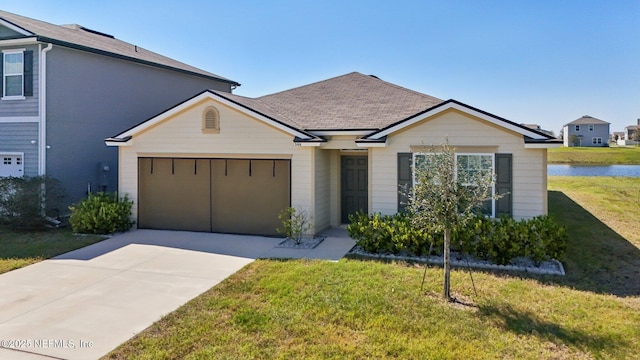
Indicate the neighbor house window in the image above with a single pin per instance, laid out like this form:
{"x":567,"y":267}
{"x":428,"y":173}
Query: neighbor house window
{"x":211,"y":120}
{"x":577,"y":127}
{"x":468,"y":167}
{"x":590,"y":127}
{"x":596,"y":140}
{"x":13,"y":74}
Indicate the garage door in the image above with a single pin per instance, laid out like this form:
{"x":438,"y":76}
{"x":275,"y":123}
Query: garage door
{"x":241,"y":196}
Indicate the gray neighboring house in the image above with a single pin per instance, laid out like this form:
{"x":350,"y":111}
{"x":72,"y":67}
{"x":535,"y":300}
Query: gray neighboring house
{"x":66,"y":87}
{"x":629,"y":135}
{"x":586,"y":131}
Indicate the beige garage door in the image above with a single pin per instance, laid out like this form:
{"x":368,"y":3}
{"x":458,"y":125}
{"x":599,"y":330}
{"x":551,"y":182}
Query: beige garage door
{"x":241,"y":196}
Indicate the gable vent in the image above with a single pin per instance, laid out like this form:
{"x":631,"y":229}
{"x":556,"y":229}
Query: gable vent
{"x":211,"y":119}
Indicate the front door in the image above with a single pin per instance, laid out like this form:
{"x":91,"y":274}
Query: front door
{"x":354,"y":185}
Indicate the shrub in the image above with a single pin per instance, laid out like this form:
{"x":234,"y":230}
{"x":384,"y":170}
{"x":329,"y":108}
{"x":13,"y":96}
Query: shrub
{"x":26,"y":202}
{"x":388,"y":234}
{"x":295,"y":223}
{"x":101,"y":213}
{"x":498,"y":240}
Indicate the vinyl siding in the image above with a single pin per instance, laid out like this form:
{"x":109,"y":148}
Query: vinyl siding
{"x":322,"y":178}
{"x":99,"y":96}
{"x":529,"y":165}
{"x":240,"y":136}
{"x":16,"y":137}
{"x":28,"y":106}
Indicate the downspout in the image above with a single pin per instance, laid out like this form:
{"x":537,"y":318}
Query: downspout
{"x":42,"y":109}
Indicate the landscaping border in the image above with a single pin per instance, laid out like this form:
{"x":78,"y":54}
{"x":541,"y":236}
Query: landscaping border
{"x":550,"y":267}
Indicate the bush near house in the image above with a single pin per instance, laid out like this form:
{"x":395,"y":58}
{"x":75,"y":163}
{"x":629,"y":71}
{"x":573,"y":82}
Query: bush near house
{"x":498,"y":240}
{"x":101,"y":213}
{"x":27,"y":201}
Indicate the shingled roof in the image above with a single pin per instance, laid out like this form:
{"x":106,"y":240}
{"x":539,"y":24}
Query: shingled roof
{"x":82,"y":38}
{"x":349,"y":102}
{"x":587,"y":120}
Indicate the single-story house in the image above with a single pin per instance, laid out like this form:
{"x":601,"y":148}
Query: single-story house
{"x":221,"y":162}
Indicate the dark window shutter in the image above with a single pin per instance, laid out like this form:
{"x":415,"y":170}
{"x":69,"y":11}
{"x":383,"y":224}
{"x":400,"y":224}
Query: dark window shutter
{"x":28,"y":73}
{"x":405,"y":179}
{"x":504,"y":184}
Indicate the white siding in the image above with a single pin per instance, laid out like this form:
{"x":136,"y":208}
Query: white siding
{"x":321,"y":186}
{"x":240,"y":136}
{"x":529,"y":165}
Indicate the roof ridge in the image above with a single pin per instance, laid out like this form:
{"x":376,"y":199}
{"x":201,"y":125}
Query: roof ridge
{"x":307,"y":85}
{"x":406,"y":89}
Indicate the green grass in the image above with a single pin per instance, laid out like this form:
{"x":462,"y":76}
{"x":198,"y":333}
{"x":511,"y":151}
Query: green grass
{"x":22,"y":248}
{"x":357,"y":309}
{"x":594,"y":156}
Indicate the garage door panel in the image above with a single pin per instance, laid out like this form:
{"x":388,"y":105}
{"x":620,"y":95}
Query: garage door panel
{"x":248,"y":195}
{"x":174,"y":194}
{"x":233,"y":195}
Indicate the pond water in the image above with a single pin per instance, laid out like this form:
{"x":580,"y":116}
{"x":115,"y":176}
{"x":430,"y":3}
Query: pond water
{"x":593,"y":170}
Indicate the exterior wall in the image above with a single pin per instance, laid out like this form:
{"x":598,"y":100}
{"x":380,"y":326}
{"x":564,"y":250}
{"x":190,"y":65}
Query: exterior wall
{"x":599,"y":130}
{"x":529,"y":165}
{"x":91,"y":97}
{"x":240,"y":136}
{"x":17,"y":137}
{"x":322,"y":188}
{"x":28,"y":106}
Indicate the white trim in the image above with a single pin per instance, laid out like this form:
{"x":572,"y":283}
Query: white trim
{"x":19,"y":119}
{"x":15,"y":97}
{"x":371,"y":144}
{"x":11,"y":153}
{"x":342,"y":132}
{"x":42,"y":109}
{"x":204,"y":96}
{"x":15,"y":28}
{"x":542,"y":146}
{"x":308,"y":143}
{"x":23,"y":41}
{"x":463,"y":109}
{"x":10,"y":51}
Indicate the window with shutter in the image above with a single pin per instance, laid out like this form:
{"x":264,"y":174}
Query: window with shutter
{"x":211,"y":120}
{"x":16,"y":74}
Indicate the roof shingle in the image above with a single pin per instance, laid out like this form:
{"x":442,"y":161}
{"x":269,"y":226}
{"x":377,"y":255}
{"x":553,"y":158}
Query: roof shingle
{"x":90,"y":40}
{"x":348,"y":102}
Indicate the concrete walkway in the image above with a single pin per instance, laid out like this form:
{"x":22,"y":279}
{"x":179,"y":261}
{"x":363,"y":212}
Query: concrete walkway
{"x":83,"y":304}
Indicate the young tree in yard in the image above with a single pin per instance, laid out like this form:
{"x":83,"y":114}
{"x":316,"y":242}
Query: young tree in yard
{"x":447,"y":192}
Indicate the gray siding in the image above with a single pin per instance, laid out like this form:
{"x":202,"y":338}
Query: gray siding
{"x":28,"y":106}
{"x":586,"y":136}
{"x":6,"y":33}
{"x":16,"y":137}
{"x":91,"y":97}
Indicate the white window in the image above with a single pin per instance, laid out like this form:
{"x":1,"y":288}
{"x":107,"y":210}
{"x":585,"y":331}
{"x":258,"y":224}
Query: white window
{"x":596,"y":140}
{"x":13,"y":74}
{"x":590,"y":127}
{"x":577,"y":127}
{"x":468,"y":167}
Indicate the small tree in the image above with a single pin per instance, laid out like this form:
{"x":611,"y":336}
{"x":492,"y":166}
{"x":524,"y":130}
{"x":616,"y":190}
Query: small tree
{"x":447,"y":195}
{"x":295,"y":223}
{"x":574,"y":140}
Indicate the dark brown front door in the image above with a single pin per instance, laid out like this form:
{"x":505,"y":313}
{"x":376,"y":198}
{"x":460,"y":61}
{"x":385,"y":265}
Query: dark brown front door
{"x":354,"y":186}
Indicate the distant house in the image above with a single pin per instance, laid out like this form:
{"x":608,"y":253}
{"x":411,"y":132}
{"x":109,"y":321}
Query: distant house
{"x":65,"y":88}
{"x":225,"y":163}
{"x":629,"y":135}
{"x":538,"y":128}
{"x":586,"y":131}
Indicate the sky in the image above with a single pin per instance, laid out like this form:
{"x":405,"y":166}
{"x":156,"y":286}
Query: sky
{"x":545,"y":62}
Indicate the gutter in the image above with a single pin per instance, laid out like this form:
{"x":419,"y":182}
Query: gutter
{"x":42,"y":109}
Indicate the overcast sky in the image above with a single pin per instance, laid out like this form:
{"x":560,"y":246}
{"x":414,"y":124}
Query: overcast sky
{"x":541,"y":61}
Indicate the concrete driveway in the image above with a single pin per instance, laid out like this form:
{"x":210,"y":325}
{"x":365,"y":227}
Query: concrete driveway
{"x":83,"y":304}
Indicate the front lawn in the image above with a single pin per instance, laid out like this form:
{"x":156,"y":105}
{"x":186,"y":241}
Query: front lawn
{"x":370,"y":309}
{"x":22,"y":248}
